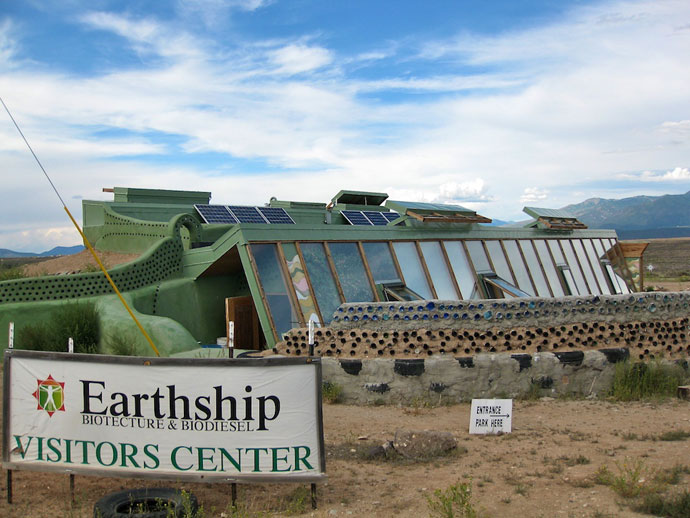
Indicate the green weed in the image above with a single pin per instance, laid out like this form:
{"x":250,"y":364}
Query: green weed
{"x":454,"y":502}
{"x":670,"y":506}
{"x":675,"y":435}
{"x":78,"y":321}
{"x":9,"y":274}
{"x":331,"y":392}
{"x":635,"y":381}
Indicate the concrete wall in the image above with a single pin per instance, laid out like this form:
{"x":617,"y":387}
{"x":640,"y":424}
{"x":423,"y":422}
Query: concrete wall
{"x":452,"y":380}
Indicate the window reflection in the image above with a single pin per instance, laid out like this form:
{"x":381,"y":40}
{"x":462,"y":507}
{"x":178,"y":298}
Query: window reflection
{"x":596,"y":266}
{"x":351,"y":273}
{"x":411,"y":267}
{"x":549,"y":267}
{"x":574,"y":267}
{"x":380,"y":262}
{"x":519,"y":268}
{"x":499,"y":260}
{"x":462,"y":270}
{"x":299,"y":283}
{"x":436,"y":265}
{"x":534,"y":268}
{"x":275,"y":287}
{"x":325,"y":289}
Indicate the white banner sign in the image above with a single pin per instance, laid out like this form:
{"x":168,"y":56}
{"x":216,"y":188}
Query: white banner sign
{"x":229,"y":419}
{"x":491,"y":416}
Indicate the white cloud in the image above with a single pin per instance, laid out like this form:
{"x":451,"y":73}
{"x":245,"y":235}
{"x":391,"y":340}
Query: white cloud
{"x":533,"y":194}
{"x":679,"y":174}
{"x":473,"y":190}
{"x":298,"y":58}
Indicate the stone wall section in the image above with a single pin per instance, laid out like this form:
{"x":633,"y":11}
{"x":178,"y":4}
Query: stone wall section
{"x":452,"y":380}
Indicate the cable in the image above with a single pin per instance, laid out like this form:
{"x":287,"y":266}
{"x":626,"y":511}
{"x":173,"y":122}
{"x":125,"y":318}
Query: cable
{"x":81,"y":233}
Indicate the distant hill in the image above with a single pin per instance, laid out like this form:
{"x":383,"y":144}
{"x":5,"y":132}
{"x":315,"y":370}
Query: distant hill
{"x":58,"y":250}
{"x":640,"y":216}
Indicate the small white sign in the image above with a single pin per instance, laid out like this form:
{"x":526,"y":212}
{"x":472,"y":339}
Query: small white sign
{"x":491,"y":416}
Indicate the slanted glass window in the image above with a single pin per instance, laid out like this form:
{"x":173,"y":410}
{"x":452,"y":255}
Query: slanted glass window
{"x":462,"y":270}
{"x":275,"y":287}
{"x":411,"y":267}
{"x":436,"y":265}
{"x":351,"y":273}
{"x":611,"y":276}
{"x":478,"y":256}
{"x":586,"y":267}
{"x":519,"y":267}
{"x":299,"y":283}
{"x":498,"y":286}
{"x":380,"y":262}
{"x":549,"y":268}
{"x":569,"y":280}
{"x":574,"y":267}
{"x":325,"y":289}
{"x":499,"y":260}
{"x":596,"y":266}
{"x":534,"y":268}
{"x":396,"y":291}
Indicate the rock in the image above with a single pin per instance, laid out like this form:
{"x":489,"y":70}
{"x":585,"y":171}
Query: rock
{"x":378,"y":452}
{"x":423,"y":444}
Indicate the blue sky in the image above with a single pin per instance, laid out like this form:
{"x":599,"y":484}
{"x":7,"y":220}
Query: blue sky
{"x":492,"y":105}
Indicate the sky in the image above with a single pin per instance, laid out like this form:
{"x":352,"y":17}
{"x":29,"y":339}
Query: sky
{"x":490,"y":105}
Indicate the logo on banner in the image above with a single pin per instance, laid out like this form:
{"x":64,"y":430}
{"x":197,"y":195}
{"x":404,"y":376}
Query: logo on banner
{"x":50,"y":395}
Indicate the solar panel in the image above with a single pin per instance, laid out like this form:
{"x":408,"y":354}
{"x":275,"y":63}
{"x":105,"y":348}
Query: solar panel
{"x":276,"y":215}
{"x":247,"y":214}
{"x":215,"y":214}
{"x":375,"y":217}
{"x":390,"y":216}
{"x":355,"y":217}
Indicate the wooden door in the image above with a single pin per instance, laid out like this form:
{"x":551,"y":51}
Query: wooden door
{"x":241,"y":311}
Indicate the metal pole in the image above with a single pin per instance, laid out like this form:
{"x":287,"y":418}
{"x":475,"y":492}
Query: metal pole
{"x":233,"y":488}
{"x":311,"y":338}
{"x":313,"y":495}
{"x":9,"y":486}
{"x":71,"y":489}
{"x":231,"y":338}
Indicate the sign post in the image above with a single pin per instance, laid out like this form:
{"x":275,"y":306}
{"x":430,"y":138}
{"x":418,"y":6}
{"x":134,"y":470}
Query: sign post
{"x":491,"y":416}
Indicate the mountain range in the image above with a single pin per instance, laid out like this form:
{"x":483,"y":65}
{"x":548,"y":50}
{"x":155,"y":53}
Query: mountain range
{"x":637,"y":217}
{"x":58,"y":250}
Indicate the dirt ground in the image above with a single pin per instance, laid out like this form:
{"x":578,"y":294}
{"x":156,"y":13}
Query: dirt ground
{"x":545,"y":468}
{"x":83,"y":261}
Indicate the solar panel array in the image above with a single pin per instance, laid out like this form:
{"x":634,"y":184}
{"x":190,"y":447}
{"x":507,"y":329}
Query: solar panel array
{"x":276,"y":215}
{"x":369,"y":217}
{"x":215,"y":214}
{"x":233,"y":214}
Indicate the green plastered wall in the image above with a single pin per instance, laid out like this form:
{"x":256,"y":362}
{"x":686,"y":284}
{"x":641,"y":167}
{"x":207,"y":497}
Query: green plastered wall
{"x":106,"y":228}
{"x":198,"y":305}
{"x":169,"y":336}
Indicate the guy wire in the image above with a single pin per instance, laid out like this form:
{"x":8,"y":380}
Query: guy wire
{"x":81,"y":233}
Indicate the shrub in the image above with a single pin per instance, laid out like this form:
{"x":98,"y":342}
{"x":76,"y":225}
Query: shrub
{"x":671,"y":506}
{"x":634,"y":381}
{"x":8,"y":274}
{"x":78,"y":321}
{"x":331,"y":392}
